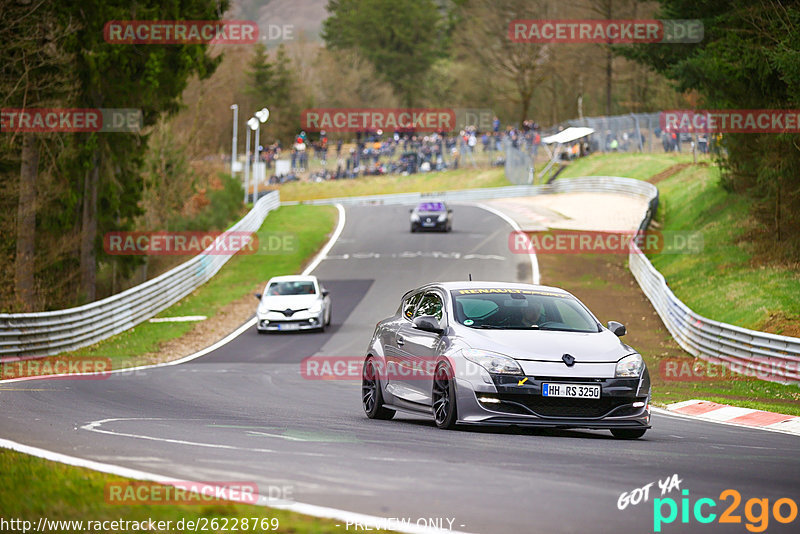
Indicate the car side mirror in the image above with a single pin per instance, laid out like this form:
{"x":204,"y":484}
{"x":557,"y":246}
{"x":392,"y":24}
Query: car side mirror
{"x":618,"y":328}
{"x":325,"y":292}
{"x":411,"y":210}
{"x":428,"y":323}
{"x":258,"y":296}
{"x":449,"y":211}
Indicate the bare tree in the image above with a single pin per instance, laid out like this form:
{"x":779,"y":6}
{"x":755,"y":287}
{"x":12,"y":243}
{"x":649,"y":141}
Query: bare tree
{"x":517,"y":68}
{"x":34,"y":74}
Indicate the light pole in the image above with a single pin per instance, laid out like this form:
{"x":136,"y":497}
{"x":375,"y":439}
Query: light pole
{"x":262,"y":115}
{"x":252,"y":124}
{"x":235,"y":109}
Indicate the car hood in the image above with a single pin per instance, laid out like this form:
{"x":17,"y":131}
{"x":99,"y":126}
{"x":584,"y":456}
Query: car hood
{"x":282,"y":302}
{"x":430,"y":213}
{"x":547,"y":345}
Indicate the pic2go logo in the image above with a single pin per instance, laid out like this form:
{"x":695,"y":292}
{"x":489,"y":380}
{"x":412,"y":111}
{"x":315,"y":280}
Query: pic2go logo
{"x":756,"y":511}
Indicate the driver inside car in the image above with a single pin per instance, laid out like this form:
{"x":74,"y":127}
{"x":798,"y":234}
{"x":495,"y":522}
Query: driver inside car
{"x":531,"y":315}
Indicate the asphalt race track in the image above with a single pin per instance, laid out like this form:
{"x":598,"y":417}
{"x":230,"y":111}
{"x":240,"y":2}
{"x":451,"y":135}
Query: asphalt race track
{"x":244,"y":412}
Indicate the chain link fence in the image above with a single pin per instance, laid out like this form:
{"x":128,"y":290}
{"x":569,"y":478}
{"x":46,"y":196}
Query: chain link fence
{"x":634,"y":132}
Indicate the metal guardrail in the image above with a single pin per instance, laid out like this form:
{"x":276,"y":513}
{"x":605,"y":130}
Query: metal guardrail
{"x":767,"y":356}
{"x":588,"y":184}
{"x":47,"y":333}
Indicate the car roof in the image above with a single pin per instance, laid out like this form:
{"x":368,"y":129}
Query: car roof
{"x":451,"y":286}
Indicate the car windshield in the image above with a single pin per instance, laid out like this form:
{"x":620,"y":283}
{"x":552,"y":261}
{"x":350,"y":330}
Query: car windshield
{"x":431,"y":206}
{"x":521,"y":309}
{"x":291,"y":288}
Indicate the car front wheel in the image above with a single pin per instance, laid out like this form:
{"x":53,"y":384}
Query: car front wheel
{"x":444,"y":397}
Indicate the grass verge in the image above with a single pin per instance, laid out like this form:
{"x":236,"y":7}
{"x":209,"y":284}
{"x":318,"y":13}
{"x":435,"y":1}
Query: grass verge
{"x":639,"y":166}
{"x":463,"y":178}
{"x":61,"y":492}
{"x":726,"y":281}
{"x":241,"y":275}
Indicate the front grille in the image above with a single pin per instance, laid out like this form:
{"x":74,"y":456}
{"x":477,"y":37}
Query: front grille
{"x":288,"y":312}
{"x":560,"y":406}
{"x":571,"y":379}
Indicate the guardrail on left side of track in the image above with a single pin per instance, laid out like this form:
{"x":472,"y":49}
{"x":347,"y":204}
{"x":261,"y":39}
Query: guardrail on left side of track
{"x":48,"y":333}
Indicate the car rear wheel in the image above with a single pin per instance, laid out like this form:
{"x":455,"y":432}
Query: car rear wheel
{"x":628,"y":433}
{"x":371,"y":396}
{"x":444,"y":397}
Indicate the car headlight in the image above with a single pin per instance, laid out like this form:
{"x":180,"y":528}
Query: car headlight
{"x":629,"y":366}
{"x":315,"y":308}
{"x":415,"y":217}
{"x":442,"y":217}
{"x":493,"y":362}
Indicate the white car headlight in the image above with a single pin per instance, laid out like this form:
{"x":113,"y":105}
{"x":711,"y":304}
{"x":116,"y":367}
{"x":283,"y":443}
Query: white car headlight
{"x":493,"y":362}
{"x":315,"y":308}
{"x":629,"y":366}
{"x":442,"y":217}
{"x":415,"y":217}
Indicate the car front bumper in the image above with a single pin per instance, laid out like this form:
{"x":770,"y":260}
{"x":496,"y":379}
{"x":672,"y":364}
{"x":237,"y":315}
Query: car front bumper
{"x":295,"y":323}
{"x":623,"y":403}
{"x":433,"y":226}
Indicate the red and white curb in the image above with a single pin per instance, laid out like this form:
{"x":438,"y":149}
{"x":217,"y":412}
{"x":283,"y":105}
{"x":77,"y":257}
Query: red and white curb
{"x":722,"y":413}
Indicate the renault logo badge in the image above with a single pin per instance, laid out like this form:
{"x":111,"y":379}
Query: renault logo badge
{"x":568,"y":359}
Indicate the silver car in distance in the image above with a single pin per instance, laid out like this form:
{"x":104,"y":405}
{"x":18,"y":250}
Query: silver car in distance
{"x":493,"y":353}
{"x":293,"y":303}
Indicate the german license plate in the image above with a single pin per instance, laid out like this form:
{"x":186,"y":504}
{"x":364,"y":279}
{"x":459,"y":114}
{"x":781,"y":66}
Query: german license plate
{"x":289,"y":326}
{"x":577,"y":391}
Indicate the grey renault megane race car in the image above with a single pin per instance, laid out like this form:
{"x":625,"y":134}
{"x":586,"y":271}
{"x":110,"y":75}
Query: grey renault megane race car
{"x":489,"y":353}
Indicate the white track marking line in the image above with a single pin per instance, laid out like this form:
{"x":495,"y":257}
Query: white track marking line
{"x":535,"y":275}
{"x":184,"y":319}
{"x":301,"y":508}
{"x":224,"y":341}
{"x":329,"y":245}
{"x":94,"y":426}
{"x":267,"y":434}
